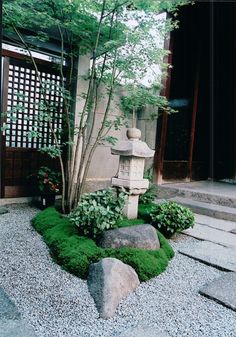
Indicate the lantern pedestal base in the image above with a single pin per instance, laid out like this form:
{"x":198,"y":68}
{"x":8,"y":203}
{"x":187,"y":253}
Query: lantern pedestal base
{"x":131,"y":207}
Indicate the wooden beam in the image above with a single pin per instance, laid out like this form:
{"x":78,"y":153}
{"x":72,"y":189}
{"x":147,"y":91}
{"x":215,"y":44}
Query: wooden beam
{"x":166,"y":82}
{"x":1,"y":86}
{"x":193,"y":123}
{"x":4,"y":93}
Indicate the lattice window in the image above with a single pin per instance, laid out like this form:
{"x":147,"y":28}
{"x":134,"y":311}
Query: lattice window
{"x":26,"y":104}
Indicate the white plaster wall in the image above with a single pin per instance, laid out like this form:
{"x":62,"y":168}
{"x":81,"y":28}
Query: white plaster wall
{"x":104,"y":165}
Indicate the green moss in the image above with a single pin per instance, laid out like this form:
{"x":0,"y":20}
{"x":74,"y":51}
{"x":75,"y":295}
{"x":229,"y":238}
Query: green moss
{"x":144,"y":211}
{"x":166,"y":246}
{"x":147,"y":264}
{"x":75,"y":253}
{"x":130,"y":222}
{"x":47,"y":219}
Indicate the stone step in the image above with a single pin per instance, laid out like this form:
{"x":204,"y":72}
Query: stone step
{"x":212,"y":210}
{"x":223,"y":258}
{"x":11,"y":323}
{"x":205,"y":191}
{"x":222,"y":290}
{"x":220,"y":237}
{"x":224,"y":225}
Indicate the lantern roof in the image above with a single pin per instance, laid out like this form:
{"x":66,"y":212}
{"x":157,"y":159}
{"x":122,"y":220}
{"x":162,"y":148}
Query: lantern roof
{"x":133,"y":146}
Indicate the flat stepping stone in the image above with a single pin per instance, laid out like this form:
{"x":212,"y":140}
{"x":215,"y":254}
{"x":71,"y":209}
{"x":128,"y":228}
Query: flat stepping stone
{"x":233,"y":231}
{"x":8,"y":309}
{"x":141,"y":331}
{"x":139,"y":236}
{"x":11,"y":324}
{"x":203,"y":232}
{"x":222,"y":290}
{"x":212,"y":254}
{"x":213,"y":210}
{"x":224,"y":225}
{"x":15,"y":328}
{"x":3,"y":210}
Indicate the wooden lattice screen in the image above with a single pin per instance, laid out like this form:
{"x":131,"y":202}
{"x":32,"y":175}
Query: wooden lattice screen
{"x":24,"y":90}
{"x":20,"y":155}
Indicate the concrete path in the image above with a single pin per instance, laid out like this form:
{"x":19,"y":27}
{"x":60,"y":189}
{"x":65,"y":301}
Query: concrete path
{"x":218,"y":256}
{"x":212,"y":210}
{"x":218,"y":242}
{"x":205,"y":191}
{"x":224,"y":225}
{"x":203,"y":232}
{"x":216,"y":247}
{"x":222,"y":290}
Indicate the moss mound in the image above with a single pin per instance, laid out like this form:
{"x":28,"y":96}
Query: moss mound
{"x":75,"y":253}
{"x":144,"y":211}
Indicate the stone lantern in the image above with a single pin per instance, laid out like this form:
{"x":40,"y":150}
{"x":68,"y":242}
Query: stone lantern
{"x":132,"y":154}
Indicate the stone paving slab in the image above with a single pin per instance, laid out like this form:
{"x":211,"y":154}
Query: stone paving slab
{"x":233,"y":231}
{"x":213,"y":210}
{"x":222,"y":290}
{"x":203,"y":232}
{"x":11,"y":324}
{"x":206,"y":191}
{"x":3,"y":210}
{"x":212,"y":254}
{"x":8,"y":309}
{"x":15,"y":328}
{"x":141,"y":331}
{"x":224,"y":225}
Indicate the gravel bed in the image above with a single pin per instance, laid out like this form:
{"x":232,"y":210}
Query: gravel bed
{"x":57,"y":304}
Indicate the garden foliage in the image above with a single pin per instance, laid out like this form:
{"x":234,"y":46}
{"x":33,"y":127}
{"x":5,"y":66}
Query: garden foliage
{"x":75,"y":253}
{"x":98,"y":211}
{"x":168,"y":217}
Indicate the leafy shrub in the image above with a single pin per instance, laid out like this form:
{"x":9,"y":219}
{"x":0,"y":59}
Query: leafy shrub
{"x":170,"y":217}
{"x":75,"y":253}
{"x":149,"y":196}
{"x":98,"y":211}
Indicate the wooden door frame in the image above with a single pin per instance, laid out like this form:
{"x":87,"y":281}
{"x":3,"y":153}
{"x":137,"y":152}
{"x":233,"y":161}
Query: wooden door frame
{"x":5,"y":73}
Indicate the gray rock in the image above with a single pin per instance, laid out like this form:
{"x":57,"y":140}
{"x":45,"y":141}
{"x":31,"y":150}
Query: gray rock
{"x":141,"y":331}
{"x":222,"y":290}
{"x":140,"y":236}
{"x":3,"y":210}
{"x":109,"y":281}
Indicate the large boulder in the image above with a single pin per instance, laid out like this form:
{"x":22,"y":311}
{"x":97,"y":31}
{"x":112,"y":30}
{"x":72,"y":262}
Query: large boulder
{"x":109,"y":281}
{"x":140,"y":236}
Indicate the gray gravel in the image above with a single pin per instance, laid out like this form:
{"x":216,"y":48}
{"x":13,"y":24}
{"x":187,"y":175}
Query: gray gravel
{"x":57,"y":304}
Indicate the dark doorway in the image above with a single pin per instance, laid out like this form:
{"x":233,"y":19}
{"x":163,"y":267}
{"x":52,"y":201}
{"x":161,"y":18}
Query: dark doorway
{"x":203,"y":82}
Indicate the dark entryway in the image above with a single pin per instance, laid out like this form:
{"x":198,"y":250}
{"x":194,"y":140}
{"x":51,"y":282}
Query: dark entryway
{"x":201,"y":137}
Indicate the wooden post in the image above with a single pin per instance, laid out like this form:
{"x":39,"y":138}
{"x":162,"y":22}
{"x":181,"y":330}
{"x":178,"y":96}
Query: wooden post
{"x":4,"y":93}
{"x":1,"y":106}
{"x":193,"y":123}
{"x":160,"y":151}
